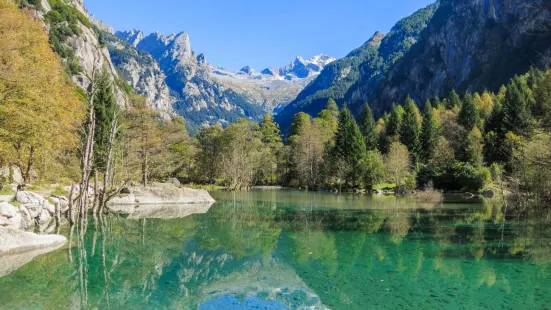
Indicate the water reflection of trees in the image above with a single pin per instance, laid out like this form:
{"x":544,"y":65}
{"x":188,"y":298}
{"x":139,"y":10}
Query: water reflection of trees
{"x":342,"y":254}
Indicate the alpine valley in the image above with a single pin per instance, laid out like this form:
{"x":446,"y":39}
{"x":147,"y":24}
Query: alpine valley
{"x":438,"y":48}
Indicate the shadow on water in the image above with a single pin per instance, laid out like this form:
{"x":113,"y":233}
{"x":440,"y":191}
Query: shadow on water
{"x":289,"y":249}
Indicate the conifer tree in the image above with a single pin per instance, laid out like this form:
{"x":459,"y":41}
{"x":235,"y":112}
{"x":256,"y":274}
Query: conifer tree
{"x":429,"y":132}
{"x":270,"y":131}
{"x":349,"y":147}
{"x":436,"y":102}
{"x":453,"y":101}
{"x":369,"y":129}
{"x":394,"y":121}
{"x":516,"y":111}
{"x":299,"y":120}
{"x":410,"y":130}
{"x":468,"y":115}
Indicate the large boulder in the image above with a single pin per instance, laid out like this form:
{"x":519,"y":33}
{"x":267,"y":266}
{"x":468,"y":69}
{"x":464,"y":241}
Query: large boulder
{"x":9,"y":215}
{"x":13,"y":240}
{"x":162,"y":193}
{"x":29,"y":198}
{"x":164,"y":211}
{"x":7,"y":210}
{"x":18,"y":247}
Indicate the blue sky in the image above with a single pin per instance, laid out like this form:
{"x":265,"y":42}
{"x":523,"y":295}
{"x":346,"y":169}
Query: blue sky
{"x":259,"y":33}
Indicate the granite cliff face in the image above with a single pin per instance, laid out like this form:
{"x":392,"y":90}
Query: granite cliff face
{"x":142,"y":73}
{"x":205,"y":94}
{"x":470,"y":45}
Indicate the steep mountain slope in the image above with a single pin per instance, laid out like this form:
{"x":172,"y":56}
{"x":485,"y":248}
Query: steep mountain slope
{"x":141,"y":72}
{"x":470,"y":45}
{"x":364,"y":66}
{"x":206,"y":94}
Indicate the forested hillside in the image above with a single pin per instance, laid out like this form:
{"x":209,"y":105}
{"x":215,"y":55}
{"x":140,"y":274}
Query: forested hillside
{"x":364,"y":66}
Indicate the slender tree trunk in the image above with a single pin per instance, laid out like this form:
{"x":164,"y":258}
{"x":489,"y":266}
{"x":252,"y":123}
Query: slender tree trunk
{"x":144,"y":169}
{"x":86,"y":160}
{"x":30,"y":163}
{"x":71,"y":211}
{"x":96,"y":201}
{"x":108,"y":168}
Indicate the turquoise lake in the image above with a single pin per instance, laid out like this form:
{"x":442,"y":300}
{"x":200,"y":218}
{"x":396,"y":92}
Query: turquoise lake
{"x":298,"y":250}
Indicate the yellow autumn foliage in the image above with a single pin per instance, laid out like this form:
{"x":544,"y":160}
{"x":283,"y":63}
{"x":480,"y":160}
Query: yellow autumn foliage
{"x":39,"y":107}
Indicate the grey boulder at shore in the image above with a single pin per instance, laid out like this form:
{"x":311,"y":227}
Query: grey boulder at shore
{"x":162,"y":193}
{"x":17,"y":247}
{"x":14,"y":240}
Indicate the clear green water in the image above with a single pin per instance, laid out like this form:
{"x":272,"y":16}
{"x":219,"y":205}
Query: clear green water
{"x":289,"y":250}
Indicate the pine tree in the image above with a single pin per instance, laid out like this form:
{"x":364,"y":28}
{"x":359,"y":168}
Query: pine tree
{"x":410,"y":130}
{"x":454,"y":101}
{"x":436,"y":102}
{"x":106,"y":109}
{"x":369,"y":129}
{"x":299,"y":120}
{"x":394,"y":121}
{"x":516,"y":111}
{"x":468,"y":115}
{"x":542,"y":95}
{"x":270,"y":131}
{"x":332,"y":107}
{"x":349,"y":147}
{"x":429,"y":132}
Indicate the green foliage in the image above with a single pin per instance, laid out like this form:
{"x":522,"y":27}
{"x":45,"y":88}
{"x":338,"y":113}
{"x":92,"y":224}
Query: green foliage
{"x":410,"y":130}
{"x":374,"y":169}
{"x":517,"y":117}
{"x":299,"y":120}
{"x":454,"y":101}
{"x":369,"y":129}
{"x":429,"y":132}
{"x":455,"y":177}
{"x":468,"y":115}
{"x":107,"y":113}
{"x":349,"y":147}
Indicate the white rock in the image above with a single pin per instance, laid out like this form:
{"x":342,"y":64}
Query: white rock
{"x":26,"y":219}
{"x":28,"y":198}
{"x":15,"y":240}
{"x":7,"y":210}
{"x":162,"y":193}
{"x":48,"y":207}
{"x":33,"y":208}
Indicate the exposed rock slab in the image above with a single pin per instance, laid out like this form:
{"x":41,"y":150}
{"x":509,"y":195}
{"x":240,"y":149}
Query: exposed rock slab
{"x":162,"y":193}
{"x":13,"y":261}
{"x":13,"y":240}
{"x":162,"y":211}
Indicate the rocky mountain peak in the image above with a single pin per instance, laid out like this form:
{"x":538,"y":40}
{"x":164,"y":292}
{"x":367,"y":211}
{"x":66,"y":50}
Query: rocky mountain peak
{"x":133,"y":36}
{"x":247,"y":70}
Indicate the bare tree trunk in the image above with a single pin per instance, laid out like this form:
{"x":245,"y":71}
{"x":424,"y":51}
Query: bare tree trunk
{"x":87,"y":157}
{"x":57,"y":215}
{"x":95,"y":204}
{"x":107,"y":174}
{"x":144,"y":169}
{"x":71,"y":212}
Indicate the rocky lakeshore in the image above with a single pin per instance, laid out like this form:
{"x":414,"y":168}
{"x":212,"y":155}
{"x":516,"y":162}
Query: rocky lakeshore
{"x":28,"y":219}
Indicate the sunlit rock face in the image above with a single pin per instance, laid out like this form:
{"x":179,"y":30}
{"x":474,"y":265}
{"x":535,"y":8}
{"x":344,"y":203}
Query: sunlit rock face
{"x":470,"y":45}
{"x":207,"y":94}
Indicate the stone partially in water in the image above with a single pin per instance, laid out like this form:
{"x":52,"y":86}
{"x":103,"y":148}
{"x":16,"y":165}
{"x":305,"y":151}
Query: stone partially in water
{"x":162,"y":193}
{"x":13,"y":240}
